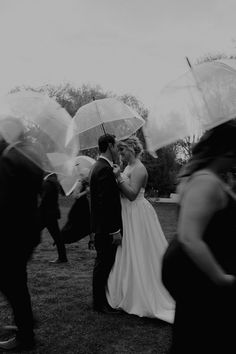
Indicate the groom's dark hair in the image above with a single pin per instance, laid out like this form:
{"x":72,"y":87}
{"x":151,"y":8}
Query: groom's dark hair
{"x":104,"y":141}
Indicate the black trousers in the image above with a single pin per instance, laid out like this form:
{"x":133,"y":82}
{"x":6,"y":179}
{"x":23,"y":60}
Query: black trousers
{"x":106,"y":253}
{"x":13,"y":285}
{"x":51,"y":223}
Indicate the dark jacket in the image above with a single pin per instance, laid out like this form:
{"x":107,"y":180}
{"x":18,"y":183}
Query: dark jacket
{"x":105,"y":199}
{"x":20,"y":186}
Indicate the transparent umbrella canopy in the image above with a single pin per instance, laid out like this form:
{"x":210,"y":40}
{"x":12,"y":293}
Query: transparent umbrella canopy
{"x":72,"y":168}
{"x":200,"y":99}
{"x":229,"y":62}
{"x":38,"y":121}
{"x":107,"y":115}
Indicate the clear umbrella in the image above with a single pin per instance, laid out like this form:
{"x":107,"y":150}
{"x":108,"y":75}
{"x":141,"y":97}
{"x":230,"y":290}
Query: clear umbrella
{"x":14,"y":133}
{"x":72,"y":169}
{"x":200,"y":99}
{"x":98,"y":117}
{"x":229,"y":62}
{"x":38,"y":121}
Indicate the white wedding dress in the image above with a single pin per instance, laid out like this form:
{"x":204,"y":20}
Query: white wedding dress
{"x":134,"y":284}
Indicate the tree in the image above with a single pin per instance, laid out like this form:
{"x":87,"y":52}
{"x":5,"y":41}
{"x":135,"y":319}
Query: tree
{"x":213,"y":56}
{"x":183,"y":147}
{"x":162,"y":171}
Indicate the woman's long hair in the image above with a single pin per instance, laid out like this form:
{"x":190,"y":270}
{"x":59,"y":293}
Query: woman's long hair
{"x":214,"y":143}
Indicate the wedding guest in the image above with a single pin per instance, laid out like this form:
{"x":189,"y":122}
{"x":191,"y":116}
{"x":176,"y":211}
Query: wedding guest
{"x":50,"y":214}
{"x":199,"y":266}
{"x":78,"y":224}
{"x":106,"y":219}
{"x":134,"y":283}
{"x":20,"y":185}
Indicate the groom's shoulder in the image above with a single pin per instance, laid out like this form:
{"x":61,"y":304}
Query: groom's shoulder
{"x":99,"y":164}
{"x":101,"y":167}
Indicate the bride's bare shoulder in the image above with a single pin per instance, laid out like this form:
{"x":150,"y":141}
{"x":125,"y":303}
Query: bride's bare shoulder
{"x":140,"y":169}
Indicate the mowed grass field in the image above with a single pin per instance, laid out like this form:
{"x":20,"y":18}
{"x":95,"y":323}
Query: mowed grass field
{"x":62,"y":303}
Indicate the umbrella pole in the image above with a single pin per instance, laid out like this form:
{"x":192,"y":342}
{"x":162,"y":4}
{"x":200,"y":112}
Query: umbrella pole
{"x":103,"y":129}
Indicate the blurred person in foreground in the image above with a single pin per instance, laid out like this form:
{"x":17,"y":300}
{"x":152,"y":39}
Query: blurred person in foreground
{"x":199,"y":266}
{"x":50,"y":214}
{"x":105,"y":218}
{"x":20,"y":186}
{"x":134,"y":283}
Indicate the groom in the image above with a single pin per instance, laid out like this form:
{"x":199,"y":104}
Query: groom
{"x":106,"y":219}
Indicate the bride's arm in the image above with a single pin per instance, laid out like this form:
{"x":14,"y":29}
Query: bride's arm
{"x":130,"y":188}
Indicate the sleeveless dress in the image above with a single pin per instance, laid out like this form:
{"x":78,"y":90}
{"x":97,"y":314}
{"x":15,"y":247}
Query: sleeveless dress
{"x":134,"y":284}
{"x":204,"y":311}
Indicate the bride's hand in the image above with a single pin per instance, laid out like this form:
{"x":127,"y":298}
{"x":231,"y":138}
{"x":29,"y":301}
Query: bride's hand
{"x":116,"y":170}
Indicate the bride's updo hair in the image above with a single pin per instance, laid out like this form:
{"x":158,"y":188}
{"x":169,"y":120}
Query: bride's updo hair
{"x":133,"y":144}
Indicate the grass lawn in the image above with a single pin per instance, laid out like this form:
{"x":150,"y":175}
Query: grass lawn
{"x":62,"y":303}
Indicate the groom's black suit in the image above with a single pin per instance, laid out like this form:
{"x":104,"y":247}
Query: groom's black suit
{"x":106,"y":219}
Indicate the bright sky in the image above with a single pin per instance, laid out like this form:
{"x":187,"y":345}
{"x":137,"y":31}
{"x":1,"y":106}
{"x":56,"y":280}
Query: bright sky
{"x":125,"y":46}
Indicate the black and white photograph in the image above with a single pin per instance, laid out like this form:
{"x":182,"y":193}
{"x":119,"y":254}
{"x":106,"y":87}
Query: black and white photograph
{"x":117,"y":176}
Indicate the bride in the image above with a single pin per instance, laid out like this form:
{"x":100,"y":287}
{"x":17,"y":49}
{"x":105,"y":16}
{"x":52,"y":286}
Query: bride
{"x":134,"y":284}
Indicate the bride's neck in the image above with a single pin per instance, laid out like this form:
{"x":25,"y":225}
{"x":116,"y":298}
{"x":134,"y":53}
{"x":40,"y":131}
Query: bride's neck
{"x":133,"y":161}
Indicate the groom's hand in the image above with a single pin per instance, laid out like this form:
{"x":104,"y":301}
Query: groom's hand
{"x":117,"y":238}
{"x":116,"y":170}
